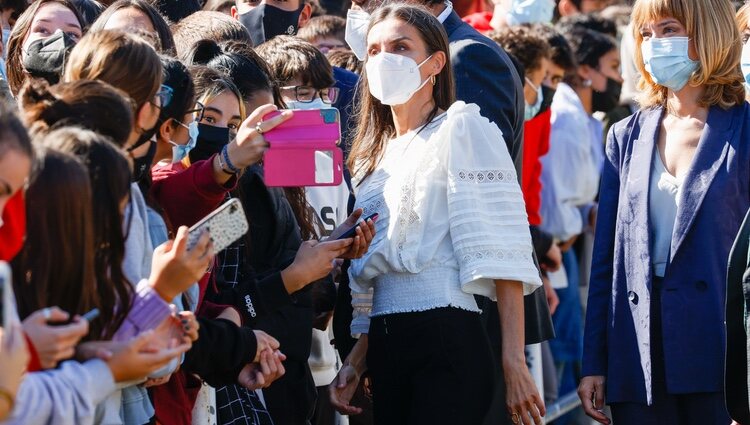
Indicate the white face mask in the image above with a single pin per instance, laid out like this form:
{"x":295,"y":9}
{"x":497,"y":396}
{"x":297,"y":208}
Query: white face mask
{"x":393,"y":79}
{"x":317,"y":103}
{"x":531,"y":110}
{"x":357,"y":22}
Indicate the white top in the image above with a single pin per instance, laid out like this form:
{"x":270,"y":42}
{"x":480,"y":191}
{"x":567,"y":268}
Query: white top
{"x":451,"y":221}
{"x":663,"y":199}
{"x":572,"y":168}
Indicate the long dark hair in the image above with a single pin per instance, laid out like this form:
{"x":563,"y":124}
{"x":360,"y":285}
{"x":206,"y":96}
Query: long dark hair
{"x":56,"y":264}
{"x":109,"y":173}
{"x":375,"y":120}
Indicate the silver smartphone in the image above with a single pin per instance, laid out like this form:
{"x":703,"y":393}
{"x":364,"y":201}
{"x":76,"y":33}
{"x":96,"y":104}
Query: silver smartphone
{"x":226,"y":224}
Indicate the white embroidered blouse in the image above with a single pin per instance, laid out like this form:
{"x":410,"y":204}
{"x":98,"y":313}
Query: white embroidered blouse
{"x":451,"y":221}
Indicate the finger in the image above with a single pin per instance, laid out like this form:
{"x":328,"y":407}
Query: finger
{"x":257,"y":115}
{"x":272,"y":361}
{"x":141,"y":341}
{"x":49,"y":314}
{"x":336,"y":245}
{"x":260,"y":380}
{"x":180,"y":240}
{"x":598,"y":396}
{"x":538,"y":404}
{"x":354,"y":217}
{"x":201,"y":245}
{"x":275,"y":121}
{"x":265,"y":368}
{"x":64,"y":354}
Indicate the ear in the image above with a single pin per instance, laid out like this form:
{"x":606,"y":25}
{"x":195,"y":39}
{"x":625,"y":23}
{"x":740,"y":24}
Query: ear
{"x":438,"y":62}
{"x":234,"y":13}
{"x":584,"y":71}
{"x":305,"y":15}
{"x":567,"y":8}
{"x":166,"y":130}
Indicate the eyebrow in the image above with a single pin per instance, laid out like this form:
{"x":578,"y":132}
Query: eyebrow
{"x":67,"y":24}
{"x":212,"y":109}
{"x":397,"y":39}
{"x":667,"y":22}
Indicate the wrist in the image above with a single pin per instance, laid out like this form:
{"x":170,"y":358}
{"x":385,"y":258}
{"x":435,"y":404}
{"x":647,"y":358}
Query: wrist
{"x":513,"y":359}
{"x":161,"y":289}
{"x":292,"y":278}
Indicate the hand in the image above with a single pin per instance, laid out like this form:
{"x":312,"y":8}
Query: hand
{"x":364,"y":233}
{"x":552,"y":299}
{"x":552,"y":259}
{"x":591,"y":392}
{"x":262,"y":374}
{"x":14,"y":356}
{"x":190,"y":325}
{"x":565,"y":246}
{"x":136,"y":360}
{"x":522,"y":397}
{"x":175,"y":268}
{"x":265,"y":343}
{"x":54,"y":343}
{"x":155,"y":382}
{"x":342,"y":390}
{"x":250,"y":145}
{"x":103,"y":350}
{"x":314,"y":260}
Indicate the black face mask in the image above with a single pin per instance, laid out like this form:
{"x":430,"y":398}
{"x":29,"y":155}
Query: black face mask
{"x":45,"y":58}
{"x":548,"y":94}
{"x":265,"y":22}
{"x":142,"y":165}
{"x":210,"y":141}
{"x":608,"y":99}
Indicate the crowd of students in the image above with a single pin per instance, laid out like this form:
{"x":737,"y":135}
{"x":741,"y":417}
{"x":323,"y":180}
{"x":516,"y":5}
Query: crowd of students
{"x":545,"y":197}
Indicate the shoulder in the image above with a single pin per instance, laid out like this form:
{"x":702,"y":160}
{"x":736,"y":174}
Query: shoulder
{"x":467,"y":115}
{"x":345,"y":78}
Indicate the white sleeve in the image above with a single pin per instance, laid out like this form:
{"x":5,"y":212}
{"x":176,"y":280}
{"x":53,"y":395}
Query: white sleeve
{"x":488,"y":223}
{"x":67,"y":395}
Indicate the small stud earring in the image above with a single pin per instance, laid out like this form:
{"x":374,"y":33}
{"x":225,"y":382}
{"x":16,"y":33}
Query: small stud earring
{"x":587,"y":82}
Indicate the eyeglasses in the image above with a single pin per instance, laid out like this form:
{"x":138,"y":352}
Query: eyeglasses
{"x":307,"y":94}
{"x":197,"y":112}
{"x":164,"y":95}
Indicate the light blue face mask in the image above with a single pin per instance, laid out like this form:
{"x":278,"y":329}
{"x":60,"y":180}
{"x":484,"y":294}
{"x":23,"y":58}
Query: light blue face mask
{"x":745,"y":64}
{"x":530,"y":111}
{"x":179,"y":152}
{"x":530,"y":12}
{"x":666,"y":60}
{"x":317,"y":103}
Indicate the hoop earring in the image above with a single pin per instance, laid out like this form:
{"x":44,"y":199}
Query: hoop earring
{"x":432,"y":79}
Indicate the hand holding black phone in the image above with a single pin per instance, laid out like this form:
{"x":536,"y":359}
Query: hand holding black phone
{"x":353,"y":231}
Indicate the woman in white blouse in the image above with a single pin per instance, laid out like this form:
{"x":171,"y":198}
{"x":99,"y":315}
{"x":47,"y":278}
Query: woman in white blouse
{"x":451,"y":224}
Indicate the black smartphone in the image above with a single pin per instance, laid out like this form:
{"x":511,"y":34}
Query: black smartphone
{"x":353,"y":231}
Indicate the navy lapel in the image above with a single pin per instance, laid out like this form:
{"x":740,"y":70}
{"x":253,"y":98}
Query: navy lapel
{"x":638,"y":252}
{"x":712,"y":149}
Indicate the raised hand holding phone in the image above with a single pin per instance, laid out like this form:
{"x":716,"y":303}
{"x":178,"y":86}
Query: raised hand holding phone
{"x":362,"y":231}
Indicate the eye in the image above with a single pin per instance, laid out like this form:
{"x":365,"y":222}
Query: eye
{"x":209,"y":120}
{"x":233,"y":126}
{"x":75,"y":36}
{"x":401,"y":47}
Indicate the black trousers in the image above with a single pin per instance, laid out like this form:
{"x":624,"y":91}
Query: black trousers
{"x":433,"y":367}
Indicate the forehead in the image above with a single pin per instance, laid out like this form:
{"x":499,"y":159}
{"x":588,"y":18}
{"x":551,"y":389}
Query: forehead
{"x":57,"y":13}
{"x":390,"y":29}
{"x":130,"y":17}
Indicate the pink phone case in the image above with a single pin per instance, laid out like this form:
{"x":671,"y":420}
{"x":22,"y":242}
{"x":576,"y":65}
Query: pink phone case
{"x":309,"y":137}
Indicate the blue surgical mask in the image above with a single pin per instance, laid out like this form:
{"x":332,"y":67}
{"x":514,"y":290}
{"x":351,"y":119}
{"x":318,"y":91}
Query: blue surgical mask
{"x":745,"y":64}
{"x":179,"y":152}
{"x":317,"y":103}
{"x":530,"y":12}
{"x":530,"y":111}
{"x":666,"y":60}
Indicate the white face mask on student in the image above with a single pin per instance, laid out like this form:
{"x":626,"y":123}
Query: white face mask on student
{"x":317,"y":103}
{"x":393,"y":79}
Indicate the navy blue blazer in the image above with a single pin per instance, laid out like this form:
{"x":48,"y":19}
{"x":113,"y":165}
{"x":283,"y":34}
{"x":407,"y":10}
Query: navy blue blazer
{"x":715,"y":197}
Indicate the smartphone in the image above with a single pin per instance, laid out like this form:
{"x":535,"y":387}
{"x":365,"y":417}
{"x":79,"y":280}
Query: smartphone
{"x":89,"y":316}
{"x":226,"y":224}
{"x":353,"y":231}
{"x":9,"y":311}
{"x":304,"y":150}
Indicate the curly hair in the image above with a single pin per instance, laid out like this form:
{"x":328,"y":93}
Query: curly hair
{"x":524,"y":44}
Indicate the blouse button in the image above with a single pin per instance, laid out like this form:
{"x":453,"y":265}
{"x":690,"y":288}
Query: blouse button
{"x":633,"y":297}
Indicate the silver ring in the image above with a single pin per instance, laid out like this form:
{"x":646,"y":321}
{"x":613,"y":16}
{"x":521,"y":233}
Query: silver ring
{"x":47,"y":313}
{"x":257,"y":127}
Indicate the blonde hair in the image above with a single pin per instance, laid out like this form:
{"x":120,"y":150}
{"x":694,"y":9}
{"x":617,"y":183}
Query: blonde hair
{"x":743,"y":17}
{"x":711,"y":26}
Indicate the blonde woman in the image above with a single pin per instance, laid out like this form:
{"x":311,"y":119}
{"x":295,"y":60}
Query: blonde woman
{"x":675,"y":187}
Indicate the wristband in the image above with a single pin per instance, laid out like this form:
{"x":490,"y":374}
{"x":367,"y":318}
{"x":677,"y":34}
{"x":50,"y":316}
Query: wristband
{"x":222,"y":166}
{"x":227,"y":161}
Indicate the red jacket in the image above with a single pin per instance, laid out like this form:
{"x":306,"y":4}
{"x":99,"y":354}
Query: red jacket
{"x":535,"y":145}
